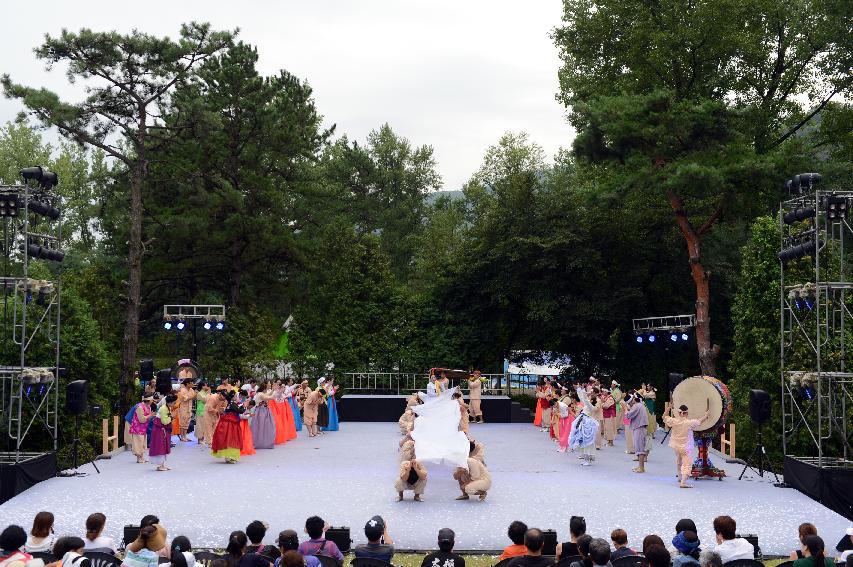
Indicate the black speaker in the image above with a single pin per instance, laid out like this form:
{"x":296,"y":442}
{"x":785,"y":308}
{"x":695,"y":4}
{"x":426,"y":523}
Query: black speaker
{"x":341,"y":537}
{"x":674,"y":380}
{"x":759,"y":406}
{"x":146,"y":370}
{"x":130,"y":534}
{"x":164,"y":381}
{"x":752,"y":538}
{"x":76,"y":397}
{"x":549,"y":546}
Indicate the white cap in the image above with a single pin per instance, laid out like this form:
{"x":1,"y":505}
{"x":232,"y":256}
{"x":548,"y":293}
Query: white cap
{"x":850,"y":531}
{"x":320,"y":381}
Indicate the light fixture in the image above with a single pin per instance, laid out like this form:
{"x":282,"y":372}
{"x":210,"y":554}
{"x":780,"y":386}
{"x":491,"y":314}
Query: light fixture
{"x":167,"y":325}
{"x":651,"y":338}
{"x":43,"y":209}
{"x":9,"y":205}
{"x":181,"y":325}
{"x":836,"y":208}
{"x":673,"y":337}
{"x":207,"y":325}
{"x":45,"y":178}
{"x":220,"y":325}
{"x":684,"y":336}
{"x":639,"y":339}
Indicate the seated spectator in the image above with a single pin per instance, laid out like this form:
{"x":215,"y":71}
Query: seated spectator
{"x":515,"y":532}
{"x":687,"y":547}
{"x":577,"y":528}
{"x":142,"y":551}
{"x":41,"y":538}
{"x":845,"y":546}
{"x":657,"y":555}
{"x":289,"y":541}
{"x":444,"y":557}
{"x":379,"y":543}
{"x":583,"y":552}
{"x":729,"y":546}
{"x":236,"y":548}
{"x":94,"y":541}
{"x":683,"y":525}
{"x":805,"y":530}
{"x":255,"y":531}
{"x":292,"y":558}
{"x":12,"y":539}
{"x":599,"y":553}
{"x":650,"y":540}
{"x":814,"y":556}
{"x":151,"y":520}
{"x":710,"y":558}
{"x":181,"y":552}
{"x":534,"y":541}
{"x":315,"y":527}
{"x":73,"y":557}
{"x":619,"y":537}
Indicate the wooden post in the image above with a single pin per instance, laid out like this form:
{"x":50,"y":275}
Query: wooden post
{"x":109,"y":442}
{"x":728,"y":442}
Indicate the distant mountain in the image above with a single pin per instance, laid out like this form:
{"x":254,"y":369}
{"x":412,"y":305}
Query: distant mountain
{"x":454,"y":196}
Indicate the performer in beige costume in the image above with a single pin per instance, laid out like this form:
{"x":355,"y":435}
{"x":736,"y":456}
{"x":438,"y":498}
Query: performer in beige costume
{"x":186,"y":395}
{"x":406,"y":422}
{"x":609,"y":422}
{"x":475,"y":390}
{"x":311,"y":409}
{"x":680,"y":440}
{"x":480,"y":480}
{"x":413,"y":476}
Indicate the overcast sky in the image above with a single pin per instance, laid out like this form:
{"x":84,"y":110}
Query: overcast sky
{"x":454,"y":74}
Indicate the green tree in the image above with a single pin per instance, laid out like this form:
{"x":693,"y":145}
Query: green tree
{"x":130,"y":78}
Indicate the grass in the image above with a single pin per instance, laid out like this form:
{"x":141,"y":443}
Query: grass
{"x":414,"y":560}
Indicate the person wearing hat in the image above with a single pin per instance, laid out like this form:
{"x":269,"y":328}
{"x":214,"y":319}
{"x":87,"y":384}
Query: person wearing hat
{"x":845,"y":547}
{"x":413,"y":476}
{"x":686,"y":545}
{"x":681,"y":439}
{"x":618,"y":397}
{"x":608,"y":412}
{"x":379,"y":543}
{"x":142,"y":552}
{"x":203,"y":392}
{"x":184,"y":407}
{"x":444,"y":556}
{"x":475,"y":395}
{"x":139,"y":427}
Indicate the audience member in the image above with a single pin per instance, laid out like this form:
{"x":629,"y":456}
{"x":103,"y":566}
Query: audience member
{"x":710,"y":558}
{"x":12,"y":539}
{"x":73,"y":553}
{"x":583,"y":552}
{"x":599,"y":553}
{"x":650,"y":540}
{"x":845,"y":546}
{"x":379,"y":543}
{"x":444,"y":557}
{"x":142,"y":552}
{"x":289,"y":541}
{"x":656,"y":554}
{"x":181,"y":552}
{"x":315,"y":527}
{"x":292,"y":558}
{"x":41,"y":538}
{"x":687,"y":547}
{"x":729,"y":546}
{"x":804,"y":530}
{"x":683,"y":525}
{"x":577,"y":528}
{"x":619,"y":537}
{"x":94,"y":541}
{"x":150,"y":520}
{"x":255,"y":531}
{"x":534,"y":541}
{"x":516,"y":533}
{"x":814,"y":556}
{"x":236,"y":548}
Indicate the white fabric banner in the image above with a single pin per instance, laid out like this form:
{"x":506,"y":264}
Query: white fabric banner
{"x":436,"y":433}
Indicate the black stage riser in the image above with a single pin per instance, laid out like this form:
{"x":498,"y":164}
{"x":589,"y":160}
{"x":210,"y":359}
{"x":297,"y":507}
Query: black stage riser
{"x":361,"y":407}
{"x":830,"y":485}
{"x":18,"y":477}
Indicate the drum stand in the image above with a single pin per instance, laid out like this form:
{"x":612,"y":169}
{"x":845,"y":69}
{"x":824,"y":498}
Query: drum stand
{"x":761,"y":455}
{"x":702,"y":466}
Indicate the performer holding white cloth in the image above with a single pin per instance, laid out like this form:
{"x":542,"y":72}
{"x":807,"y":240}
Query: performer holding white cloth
{"x":436,"y":431}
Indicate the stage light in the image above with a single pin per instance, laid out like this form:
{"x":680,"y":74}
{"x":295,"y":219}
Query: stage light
{"x":9,"y":205}
{"x":639,"y":339}
{"x":220,"y":325}
{"x":167,"y":325}
{"x":673,"y":337}
{"x":684,"y":336}
{"x":836,"y":208}
{"x":181,"y":325}
{"x":43,"y":209}
{"x":33,"y":173}
{"x":651,"y":338}
{"x":207,"y":325}
{"x":46,"y":179}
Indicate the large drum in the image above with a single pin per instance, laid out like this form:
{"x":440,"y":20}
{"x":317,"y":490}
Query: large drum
{"x":699,"y":393}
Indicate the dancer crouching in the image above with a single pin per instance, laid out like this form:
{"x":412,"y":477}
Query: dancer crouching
{"x":477,"y":482}
{"x":413,"y":476}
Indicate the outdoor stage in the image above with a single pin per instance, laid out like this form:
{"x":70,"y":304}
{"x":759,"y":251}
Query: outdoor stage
{"x":347,"y":476}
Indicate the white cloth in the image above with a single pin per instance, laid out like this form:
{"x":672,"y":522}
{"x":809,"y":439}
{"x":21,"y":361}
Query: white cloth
{"x":431,"y":390}
{"x":436,"y":433}
{"x":734,"y":549}
{"x":564,"y":410}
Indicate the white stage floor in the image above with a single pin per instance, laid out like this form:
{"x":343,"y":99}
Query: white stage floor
{"x":347,"y":476}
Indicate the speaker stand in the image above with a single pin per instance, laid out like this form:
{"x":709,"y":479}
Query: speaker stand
{"x":75,"y":445}
{"x":761,"y":455}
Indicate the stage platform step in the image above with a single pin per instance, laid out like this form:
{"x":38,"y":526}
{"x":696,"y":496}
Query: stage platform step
{"x":385,"y":407}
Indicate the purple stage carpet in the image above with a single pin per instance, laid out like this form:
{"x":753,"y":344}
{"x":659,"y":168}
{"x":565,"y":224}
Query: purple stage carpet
{"x":347,"y":476}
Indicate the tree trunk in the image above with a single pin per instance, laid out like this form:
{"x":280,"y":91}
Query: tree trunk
{"x":708,"y":352}
{"x":235,"y":277}
{"x":130,"y":341}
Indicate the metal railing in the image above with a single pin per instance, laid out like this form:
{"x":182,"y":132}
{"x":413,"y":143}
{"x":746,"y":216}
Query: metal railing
{"x":406,"y":383}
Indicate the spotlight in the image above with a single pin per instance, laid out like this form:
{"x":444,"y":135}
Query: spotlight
{"x":181,"y":325}
{"x":836,"y":208}
{"x":220,"y":325}
{"x":809,"y":303}
{"x":673,"y":337}
{"x":9,"y":205}
{"x":46,"y":179}
{"x":43,"y":209}
{"x":639,"y":339}
{"x":207,"y":325}
{"x":167,"y":325}
{"x":651,"y":338}
{"x":29,"y":173}
{"x":684,"y":336}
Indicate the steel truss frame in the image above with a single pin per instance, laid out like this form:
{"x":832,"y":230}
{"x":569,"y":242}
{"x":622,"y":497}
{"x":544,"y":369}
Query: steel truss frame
{"x":815,"y":318}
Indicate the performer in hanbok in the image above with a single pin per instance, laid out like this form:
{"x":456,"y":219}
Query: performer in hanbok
{"x":330,"y":388}
{"x":639,"y":421}
{"x":543,"y":392}
{"x":186,"y":395}
{"x":263,"y":424}
{"x":608,"y":407}
{"x":413,"y":476}
{"x":291,"y":393}
{"x":310,"y":409}
{"x":323,"y":408}
{"x":276,"y":405}
{"x":681,"y":440}
{"x":248,"y":447}
{"x":479,"y":480}
{"x":650,"y":395}
{"x":213,"y":409}
{"x":200,"y":401}
{"x":618,"y":397}
{"x":475,"y":391}
{"x":584,"y":430}
{"x":227,"y":440}
{"x":562,"y":410}
{"x":442,"y":384}
{"x":139,"y":427}
{"x":288,"y":420}
{"x":161,"y":444}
